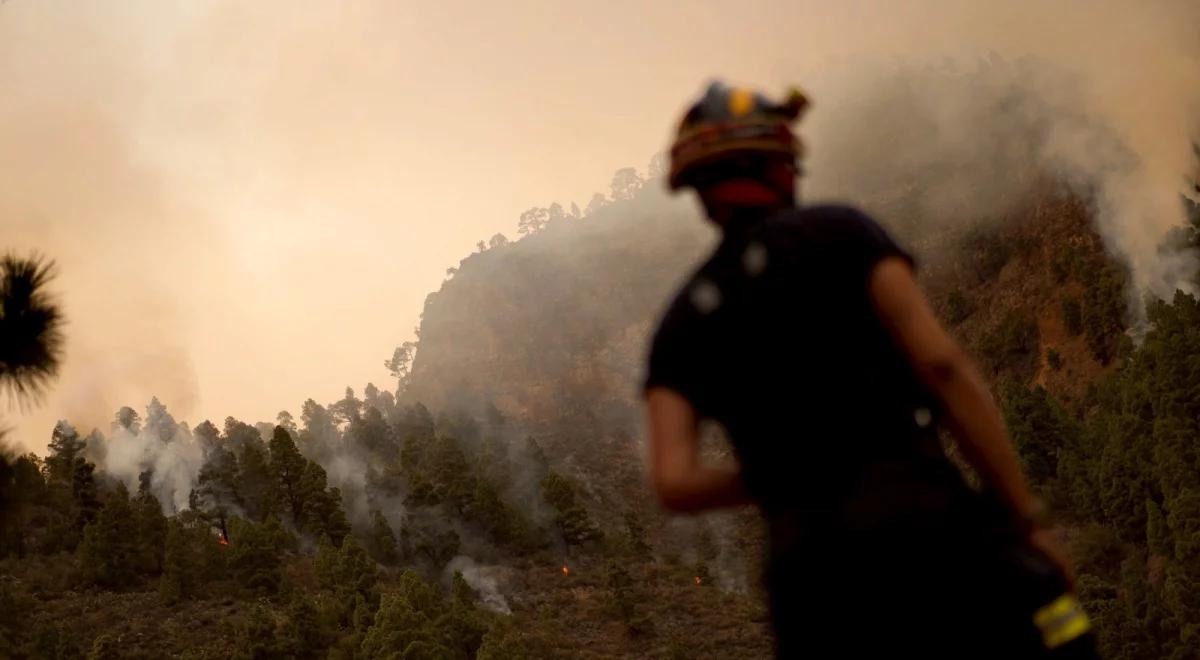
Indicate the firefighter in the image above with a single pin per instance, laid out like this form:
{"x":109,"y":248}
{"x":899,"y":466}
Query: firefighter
{"x":807,"y":338}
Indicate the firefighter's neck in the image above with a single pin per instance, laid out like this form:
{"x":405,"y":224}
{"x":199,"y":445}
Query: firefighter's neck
{"x":737,"y":204}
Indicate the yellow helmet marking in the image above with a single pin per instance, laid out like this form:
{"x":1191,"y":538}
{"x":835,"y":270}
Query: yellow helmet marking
{"x":741,"y":102}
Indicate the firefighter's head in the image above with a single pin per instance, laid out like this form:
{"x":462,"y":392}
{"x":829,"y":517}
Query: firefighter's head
{"x":737,"y":150}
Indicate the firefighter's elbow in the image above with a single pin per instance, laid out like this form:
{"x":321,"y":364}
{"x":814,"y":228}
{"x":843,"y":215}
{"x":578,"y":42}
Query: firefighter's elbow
{"x":675,"y":503}
{"x":942,"y":371}
{"x":669,"y":493}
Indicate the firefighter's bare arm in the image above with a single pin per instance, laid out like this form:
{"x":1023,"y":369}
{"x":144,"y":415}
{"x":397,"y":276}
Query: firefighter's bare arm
{"x":680,"y":478}
{"x":950,"y":375}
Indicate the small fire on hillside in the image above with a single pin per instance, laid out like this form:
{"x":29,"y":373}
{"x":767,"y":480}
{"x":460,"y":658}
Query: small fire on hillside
{"x":566,"y":571}
{"x":698,"y":580}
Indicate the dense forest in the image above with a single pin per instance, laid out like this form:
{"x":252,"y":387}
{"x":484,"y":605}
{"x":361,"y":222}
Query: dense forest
{"x":370,"y":527}
{"x":490,"y":503}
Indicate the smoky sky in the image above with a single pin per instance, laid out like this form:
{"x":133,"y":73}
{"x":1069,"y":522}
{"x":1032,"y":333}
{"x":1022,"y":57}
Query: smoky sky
{"x":249,"y":201}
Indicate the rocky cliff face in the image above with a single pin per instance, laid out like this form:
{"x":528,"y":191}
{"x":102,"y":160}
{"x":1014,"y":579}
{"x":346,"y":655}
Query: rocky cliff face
{"x":556,"y":324}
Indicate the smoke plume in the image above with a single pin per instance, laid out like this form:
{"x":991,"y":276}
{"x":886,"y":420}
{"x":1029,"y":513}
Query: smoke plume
{"x":485,"y":580}
{"x":236,"y":232}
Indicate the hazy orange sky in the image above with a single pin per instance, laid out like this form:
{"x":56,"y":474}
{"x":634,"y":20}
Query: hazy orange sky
{"x":249,"y":201}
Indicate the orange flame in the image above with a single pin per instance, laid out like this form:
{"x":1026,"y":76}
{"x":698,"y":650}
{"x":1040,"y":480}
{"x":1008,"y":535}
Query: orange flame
{"x":222,"y":541}
{"x":565,"y":570}
{"x":698,"y":580}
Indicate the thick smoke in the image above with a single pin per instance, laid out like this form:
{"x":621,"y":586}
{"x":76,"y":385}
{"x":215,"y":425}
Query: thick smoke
{"x":1110,"y":106}
{"x":189,"y":189}
{"x":160,"y":448}
{"x":936,"y":135}
{"x":954,"y":148}
{"x":487,"y":581}
{"x":173,"y":464}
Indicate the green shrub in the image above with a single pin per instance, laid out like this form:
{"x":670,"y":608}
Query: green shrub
{"x":1072,"y":315}
{"x":1054,"y":359}
{"x":958,"y":309}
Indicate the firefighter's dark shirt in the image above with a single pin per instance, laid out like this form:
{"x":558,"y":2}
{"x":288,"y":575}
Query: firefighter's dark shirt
{"x":876,"y":545}
{"x":774,"y":337}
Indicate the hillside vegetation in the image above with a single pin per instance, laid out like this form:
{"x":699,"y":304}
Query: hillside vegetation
{"x":492,"y":506}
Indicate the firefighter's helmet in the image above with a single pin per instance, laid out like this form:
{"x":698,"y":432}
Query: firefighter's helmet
{"x":730,"y":121}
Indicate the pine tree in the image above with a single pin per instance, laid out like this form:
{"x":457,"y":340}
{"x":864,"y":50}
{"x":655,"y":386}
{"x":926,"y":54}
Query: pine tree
{"x":70,"y":488}
{"x":217,"y":485}
{"x":462,"y":628}
{"x":349,"y":409}
{"x":460,"y":591}
{"x":15,"y":609}
{"x":323,"y":513}
{"x":305,"y":635}
{"x":635,"y":535}
{"x":239,"y":435}
{"x":1040,"y":428}
{"x":85,"y":502}
{"x":572,"y":519}
{"x":254,"y":559}
{"x":22,"y":488}
{"x":128,"y":419}
{"x":350,"y":575}
{"x":257,"y":487}
{"x":208,"y":436}
{"x":370,"y":431}
{"x":1158,"y":535}
{"x":357,"y":573}
{"x":625,"y":601}
{"x":255,"y":637}
{"x":382,"y":540}
{"x":451,"y":474}
{"x":403,"y":625}
{"x":497,"y":519}
{"x":179,"y":579}
{"x":287,"y":468}
{"x":65,"y":446}
{"x":151,"y":531}
{"x":109,"y":553}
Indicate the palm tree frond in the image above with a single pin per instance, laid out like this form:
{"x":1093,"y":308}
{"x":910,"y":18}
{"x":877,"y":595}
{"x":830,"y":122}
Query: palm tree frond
{"x":31,"y":337}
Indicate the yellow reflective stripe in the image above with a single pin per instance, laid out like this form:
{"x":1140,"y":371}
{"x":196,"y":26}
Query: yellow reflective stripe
{"x":1061,"y":621}
{"x":1077,"y":626}
{"x":1060,"y":607}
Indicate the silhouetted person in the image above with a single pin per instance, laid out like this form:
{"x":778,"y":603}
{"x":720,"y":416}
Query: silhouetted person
{"x":806,"y":336}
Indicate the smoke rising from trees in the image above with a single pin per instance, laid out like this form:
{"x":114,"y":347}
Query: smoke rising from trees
{"x":195,"y":194}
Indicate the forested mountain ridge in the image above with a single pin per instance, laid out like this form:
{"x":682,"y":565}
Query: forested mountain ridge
{"x":510,"y":519}
{"x":557,"y":318}
{"x":1034,"y":295}
{"x":493,"y":505}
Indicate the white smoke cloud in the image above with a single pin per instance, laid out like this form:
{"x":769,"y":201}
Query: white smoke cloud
{"x":174,"y":462}
{"x":347,"y":472}
{"x":487,"y":581}
{"x":1104,"y":96}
